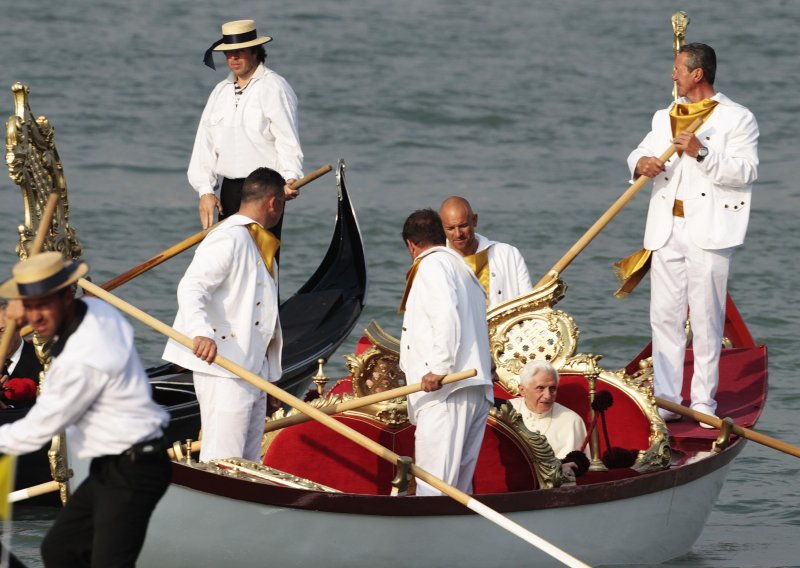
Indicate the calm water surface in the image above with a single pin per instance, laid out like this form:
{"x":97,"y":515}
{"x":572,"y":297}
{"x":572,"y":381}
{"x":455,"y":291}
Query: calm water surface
{"x":527,"y":109}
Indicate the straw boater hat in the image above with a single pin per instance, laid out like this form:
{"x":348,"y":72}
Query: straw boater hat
{"x":235,"y":35}
{"x":41,"y":275}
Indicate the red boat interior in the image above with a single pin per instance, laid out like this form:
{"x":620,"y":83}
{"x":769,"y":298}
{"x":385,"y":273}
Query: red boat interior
{"x":314,"y":452}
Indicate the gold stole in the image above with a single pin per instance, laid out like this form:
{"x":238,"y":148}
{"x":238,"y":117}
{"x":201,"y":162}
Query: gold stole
{"x":681,"y":115}
{"x":479,"y":263}
{"x":410,"y":275}
{"x":632,"y":269}
{"x":267,"y":245}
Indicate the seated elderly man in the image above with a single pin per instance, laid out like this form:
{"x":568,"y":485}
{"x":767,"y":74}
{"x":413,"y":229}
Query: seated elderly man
{"x":563,"y":428}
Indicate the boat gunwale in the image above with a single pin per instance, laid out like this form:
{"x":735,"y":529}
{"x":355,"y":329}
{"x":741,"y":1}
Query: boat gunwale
{"x":383,"y":505}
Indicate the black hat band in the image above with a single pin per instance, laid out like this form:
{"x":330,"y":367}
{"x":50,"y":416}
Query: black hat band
{"x":46,"y":286}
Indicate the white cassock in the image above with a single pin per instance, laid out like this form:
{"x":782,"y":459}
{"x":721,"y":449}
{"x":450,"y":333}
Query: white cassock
{"x":228,"y":295}
{"x":444,"y":331}
{"x":563,"y":428}
{"x":691,"y":257}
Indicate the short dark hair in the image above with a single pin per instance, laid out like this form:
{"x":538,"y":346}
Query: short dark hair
{"x":702,"y":56}
{"x":261,"y":183}
{"x":424,"y":227}
{"x":260,"y":53}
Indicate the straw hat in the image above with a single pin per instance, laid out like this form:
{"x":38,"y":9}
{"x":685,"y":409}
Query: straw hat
{"x":240,"y":34}
{"x":42,"y":274}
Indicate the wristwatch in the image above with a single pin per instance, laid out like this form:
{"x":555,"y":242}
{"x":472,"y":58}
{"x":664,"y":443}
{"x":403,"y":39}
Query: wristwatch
{"x":701,"y":154}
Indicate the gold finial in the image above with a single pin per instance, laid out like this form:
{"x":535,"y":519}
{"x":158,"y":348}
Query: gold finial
{"x":680,"y":21}
{"x":320,"y":379}
{"x":188,"y":451}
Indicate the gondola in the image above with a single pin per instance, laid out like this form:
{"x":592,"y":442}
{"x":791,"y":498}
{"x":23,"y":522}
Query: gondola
{"x":318,"y":498}
{"x":315,"y":322}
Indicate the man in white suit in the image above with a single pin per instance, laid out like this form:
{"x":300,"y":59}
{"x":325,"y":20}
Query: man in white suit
{"x":499,"y":267}
{"x":698,"y":213}
{"x":228,"y":304}
{"x":444,"y":331}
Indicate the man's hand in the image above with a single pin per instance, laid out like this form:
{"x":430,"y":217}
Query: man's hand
{"x":431,"y":382}
{"x":16,"y":312}
{"x":649,"y":166}
{"x":289,"y":192}
{"x":568,"y":470}
{"x":205,"y":348}
{"x":208,"y":202}
{"x":688,"y":143}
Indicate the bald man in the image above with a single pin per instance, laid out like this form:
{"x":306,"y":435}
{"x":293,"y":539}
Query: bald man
{"x":499,"y":266}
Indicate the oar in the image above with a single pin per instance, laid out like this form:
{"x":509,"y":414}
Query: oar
{"x":185,"y":244}
{"x":351,"y":404}
{"x":355,"y":403}
{"x":340,"y":428}
{"x":740,"y":431}
{"x":193,"y":240}
{"x":606,"y":218}
{"x":36,"y":248}
{"x":34,"y":491}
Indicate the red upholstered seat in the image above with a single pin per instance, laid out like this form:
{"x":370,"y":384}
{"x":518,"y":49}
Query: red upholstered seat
{"x":315,"y":452}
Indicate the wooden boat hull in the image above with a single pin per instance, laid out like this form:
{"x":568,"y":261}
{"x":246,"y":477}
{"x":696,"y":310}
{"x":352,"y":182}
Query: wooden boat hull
{"x":642,"y":520}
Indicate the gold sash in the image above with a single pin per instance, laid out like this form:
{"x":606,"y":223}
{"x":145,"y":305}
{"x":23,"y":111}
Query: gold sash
{"x":631,"y":270}
{"x":479,"y":263}
{"x":267,"y":245}
{"x":410,"y":275}
{"x":681,"y":115}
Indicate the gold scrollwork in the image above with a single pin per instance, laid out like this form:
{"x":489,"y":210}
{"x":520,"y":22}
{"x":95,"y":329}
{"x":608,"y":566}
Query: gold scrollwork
{"x":547,"y":467}
{"x":35,"y":166}
{"x":256,"y":472}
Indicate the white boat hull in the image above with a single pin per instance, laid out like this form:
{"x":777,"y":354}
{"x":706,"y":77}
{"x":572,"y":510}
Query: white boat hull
{"x":198,"y":528}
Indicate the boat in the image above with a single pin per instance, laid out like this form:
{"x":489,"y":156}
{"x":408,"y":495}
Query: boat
{"x":315,"y":320}
{"x":318,"y":498}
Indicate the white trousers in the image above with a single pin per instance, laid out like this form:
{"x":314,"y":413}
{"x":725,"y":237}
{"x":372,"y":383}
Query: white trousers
{"x":686,"y":276}
{"x":232,"y":414}
{"x":448,"y":438}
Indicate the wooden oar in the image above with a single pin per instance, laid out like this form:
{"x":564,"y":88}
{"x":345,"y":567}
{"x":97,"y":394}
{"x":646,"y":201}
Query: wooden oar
{"x":36,"y":248}
{"x":746,"y":433}
{"x":34,"y":491}
{"x":340,"y":428}
{"x":606,"y":218}
{"x":351,"y":404}
{"x":361,"y":402}
{"x":193,"y":240}
{"x":178,"y":248}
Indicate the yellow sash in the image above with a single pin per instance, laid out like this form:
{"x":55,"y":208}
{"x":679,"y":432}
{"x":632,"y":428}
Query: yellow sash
{"x":479,"y":263}
{"x":681,"y":115}
{"x":410,"y":275}
{"x":267,"y":245}
{"x":631,"y":270}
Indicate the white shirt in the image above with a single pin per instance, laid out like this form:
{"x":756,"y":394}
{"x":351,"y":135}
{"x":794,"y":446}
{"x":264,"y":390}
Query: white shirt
{"x":235,"y":139}
{"x":562,"y":427}
{"x":508,"y":273}
{"x":14,"y":358}
{"x":228,"y":295}
{"x":97,"y":387}
{"x":444,"y":327}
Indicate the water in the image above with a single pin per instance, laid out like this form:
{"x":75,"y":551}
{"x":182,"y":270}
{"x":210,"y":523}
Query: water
{"x":527,"y":109}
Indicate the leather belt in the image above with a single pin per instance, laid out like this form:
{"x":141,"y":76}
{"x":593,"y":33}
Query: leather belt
{"x":677,"y":208}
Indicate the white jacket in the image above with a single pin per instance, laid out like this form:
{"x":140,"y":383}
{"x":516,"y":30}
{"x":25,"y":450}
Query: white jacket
{"x":228,"y":295}
{"x":508,"y":273}
{"x":717,"y":192}
{"x":444,"y":327}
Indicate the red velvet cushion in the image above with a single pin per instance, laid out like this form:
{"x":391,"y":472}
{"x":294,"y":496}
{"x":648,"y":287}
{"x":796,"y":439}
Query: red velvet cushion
{"x":628,"y":426}
{"x":312,"y":451}
{"x":503,"y":464}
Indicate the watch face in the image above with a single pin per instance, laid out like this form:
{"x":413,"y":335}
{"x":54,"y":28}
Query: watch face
{"x":703,"y":152}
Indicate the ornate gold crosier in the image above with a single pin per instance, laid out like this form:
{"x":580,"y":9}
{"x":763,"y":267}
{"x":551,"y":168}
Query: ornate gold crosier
{"x":34,"y":165}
